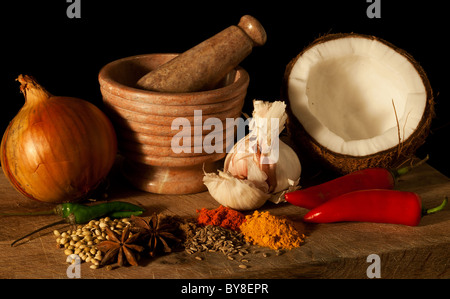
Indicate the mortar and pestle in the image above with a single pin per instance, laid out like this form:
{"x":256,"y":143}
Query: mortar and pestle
{"x":143,"y":95}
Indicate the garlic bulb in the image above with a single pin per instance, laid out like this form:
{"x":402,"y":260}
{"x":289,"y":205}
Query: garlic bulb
{"x":259,"y":166}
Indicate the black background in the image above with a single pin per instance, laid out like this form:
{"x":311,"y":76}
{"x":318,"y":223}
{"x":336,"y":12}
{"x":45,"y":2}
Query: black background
{"x":65,"y":55}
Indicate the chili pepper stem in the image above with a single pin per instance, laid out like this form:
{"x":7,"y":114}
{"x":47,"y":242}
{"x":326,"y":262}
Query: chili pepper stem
{"x":77,"y":213}
{"x":436,"y":209}
{"x":49,"y":212}
{"x":404,"y":170}
{"x":37,"y":230}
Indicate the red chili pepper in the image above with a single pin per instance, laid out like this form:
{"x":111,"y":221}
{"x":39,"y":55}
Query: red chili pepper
{"x":381,"y":206}
{"x":370,"y":178}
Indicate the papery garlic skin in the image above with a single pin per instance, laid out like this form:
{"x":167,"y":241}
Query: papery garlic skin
{"x":274,"y":157}
{"x":288,"y":167}
{"x":234,"y":193}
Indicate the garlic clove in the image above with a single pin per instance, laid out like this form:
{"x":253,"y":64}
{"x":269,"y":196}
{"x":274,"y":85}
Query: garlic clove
{"x":257,"y":176}
{"x":233,"y":192}
{"x":288,"y":167}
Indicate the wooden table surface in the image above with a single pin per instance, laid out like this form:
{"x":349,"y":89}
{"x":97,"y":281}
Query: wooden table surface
{"x":337,"y":250}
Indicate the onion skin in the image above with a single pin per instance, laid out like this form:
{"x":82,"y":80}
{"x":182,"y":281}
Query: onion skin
{"x":57,"y":149}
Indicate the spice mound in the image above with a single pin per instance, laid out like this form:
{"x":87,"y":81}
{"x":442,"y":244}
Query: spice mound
{"x":267,"y":230}
{"x":215,"y":239}
{"x":222,"y":216}
{"x":82,"y":240}
{"x":104,"y":241}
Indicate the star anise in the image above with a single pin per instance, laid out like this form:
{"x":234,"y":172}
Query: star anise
{"x":158,"y":232}
{"x":120,"y":246}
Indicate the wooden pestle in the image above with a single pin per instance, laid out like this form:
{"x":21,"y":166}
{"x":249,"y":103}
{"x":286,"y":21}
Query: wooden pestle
{"x":203,"y":66}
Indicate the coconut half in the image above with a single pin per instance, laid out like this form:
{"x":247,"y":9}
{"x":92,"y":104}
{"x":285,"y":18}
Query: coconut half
{"x":357,"y":101}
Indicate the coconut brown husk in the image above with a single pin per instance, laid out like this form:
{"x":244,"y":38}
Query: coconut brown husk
{"x":344,"y":164}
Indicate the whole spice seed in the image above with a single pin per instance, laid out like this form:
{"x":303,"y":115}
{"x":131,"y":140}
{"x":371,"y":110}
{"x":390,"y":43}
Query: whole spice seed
{"x":82,"y":233}
{"x":157,"y":231}
{"x":161,"y":232}
{"x":215,"y":238}
{"x":120,"y":246}
{"x":74,"y":213}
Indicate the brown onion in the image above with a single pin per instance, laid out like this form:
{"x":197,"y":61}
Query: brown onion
{"x":57,"y":149}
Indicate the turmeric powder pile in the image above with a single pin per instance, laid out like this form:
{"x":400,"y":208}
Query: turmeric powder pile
{"x":264,"y":229}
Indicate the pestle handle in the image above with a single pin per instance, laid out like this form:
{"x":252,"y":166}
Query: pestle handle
{"x":203,"y":66}
{"x":253,"y":28}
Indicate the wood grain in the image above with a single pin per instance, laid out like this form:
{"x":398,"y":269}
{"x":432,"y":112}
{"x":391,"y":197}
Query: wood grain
{"x":335,"y":250}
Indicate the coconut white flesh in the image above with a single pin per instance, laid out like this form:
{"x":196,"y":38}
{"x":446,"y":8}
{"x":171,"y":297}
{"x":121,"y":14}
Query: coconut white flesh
{"x":342,"y":91}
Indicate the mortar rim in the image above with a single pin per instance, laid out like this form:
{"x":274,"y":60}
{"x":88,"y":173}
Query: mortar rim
{"x":203,"y":97}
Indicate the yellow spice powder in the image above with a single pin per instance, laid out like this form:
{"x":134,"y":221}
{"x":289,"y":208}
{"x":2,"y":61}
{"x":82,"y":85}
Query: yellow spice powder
{"x":264,"y":229}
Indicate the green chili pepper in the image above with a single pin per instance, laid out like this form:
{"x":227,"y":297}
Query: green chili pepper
{"x":84,"y":214}
{"x":75,"y":213}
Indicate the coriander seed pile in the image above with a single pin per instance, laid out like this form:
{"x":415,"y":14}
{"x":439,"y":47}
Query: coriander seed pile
{"x":83,"y":240}
{"x":106,"y":241}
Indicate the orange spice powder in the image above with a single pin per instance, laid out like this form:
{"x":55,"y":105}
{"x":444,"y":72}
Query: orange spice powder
{"x":267,"y":230}
{"x":222,"y":216}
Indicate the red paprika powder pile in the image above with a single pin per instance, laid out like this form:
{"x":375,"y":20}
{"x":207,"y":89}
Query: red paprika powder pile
{"x":222,"y":216}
